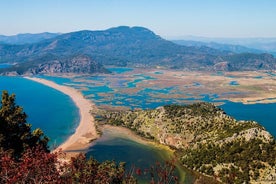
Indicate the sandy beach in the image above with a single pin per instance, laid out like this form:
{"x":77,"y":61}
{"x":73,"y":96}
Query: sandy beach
{"x":86,"y":130}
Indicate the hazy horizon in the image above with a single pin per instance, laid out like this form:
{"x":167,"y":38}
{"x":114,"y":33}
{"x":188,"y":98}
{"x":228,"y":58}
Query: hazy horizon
{"x":169,"y":19}
{"x":184,"y":37}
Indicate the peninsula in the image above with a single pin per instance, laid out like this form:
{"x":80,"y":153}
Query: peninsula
{"x":206,"y":139}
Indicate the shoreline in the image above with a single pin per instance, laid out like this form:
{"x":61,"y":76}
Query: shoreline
{"x":126,"y":133}
{"x":86,"y":131}
{"x":132,"y":135}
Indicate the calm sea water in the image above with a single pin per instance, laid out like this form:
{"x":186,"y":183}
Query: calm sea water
{"x":265,"y":114}
{"x":47,"y":108}
{"x":5,"y":65}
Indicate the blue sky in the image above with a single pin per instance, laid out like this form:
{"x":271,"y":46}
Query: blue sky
{"x":168,"y":18}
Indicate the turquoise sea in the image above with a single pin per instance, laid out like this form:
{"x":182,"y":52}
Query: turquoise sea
{"x":47,"y":108}
{"x":5,"y":65}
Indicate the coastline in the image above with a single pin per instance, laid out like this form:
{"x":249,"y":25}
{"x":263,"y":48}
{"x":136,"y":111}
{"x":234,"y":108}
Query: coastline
{"x":131,"y":135}
{"x":86,"y":130}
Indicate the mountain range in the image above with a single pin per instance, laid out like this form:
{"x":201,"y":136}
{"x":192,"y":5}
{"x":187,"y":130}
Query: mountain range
{"x":219,"y":46}
{"x":121,"y":46}
{"x":21,"y":39}
{"x":264,"y":45}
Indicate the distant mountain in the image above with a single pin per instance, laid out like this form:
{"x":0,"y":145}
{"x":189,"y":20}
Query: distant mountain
{"x":129,"y":46}
{"x":263,"y":44}
{"x":28,"y":38}
{"x":218,"y":46}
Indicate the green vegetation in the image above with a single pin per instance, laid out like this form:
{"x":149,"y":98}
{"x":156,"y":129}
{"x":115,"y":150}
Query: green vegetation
{"x":239,"y":161}
{"x":206,"y":140}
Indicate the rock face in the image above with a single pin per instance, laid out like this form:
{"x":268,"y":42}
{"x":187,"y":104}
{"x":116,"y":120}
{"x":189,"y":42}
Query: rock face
{"x":206,"y":139}
{"x":77,"y":65}
{"x":223,"y":66}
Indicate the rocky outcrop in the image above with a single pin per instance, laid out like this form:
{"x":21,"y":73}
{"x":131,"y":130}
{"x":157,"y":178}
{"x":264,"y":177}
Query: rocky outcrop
{"x":249,"y":134}
{"x":80,"y":64}
{"x":223,"y":66}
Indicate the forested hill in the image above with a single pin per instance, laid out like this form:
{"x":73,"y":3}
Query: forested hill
{"x":206,"y":139}
{"x":131,"y":46}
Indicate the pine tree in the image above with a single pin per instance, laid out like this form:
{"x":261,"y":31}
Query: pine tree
{"x":15,"y":132}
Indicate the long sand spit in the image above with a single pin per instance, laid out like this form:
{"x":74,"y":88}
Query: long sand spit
{"x":86,"y":130}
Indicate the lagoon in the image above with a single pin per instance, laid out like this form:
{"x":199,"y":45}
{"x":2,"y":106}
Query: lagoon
{"x":118,"y":145}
